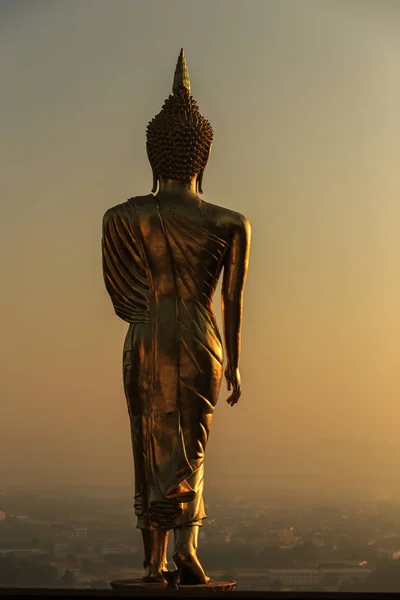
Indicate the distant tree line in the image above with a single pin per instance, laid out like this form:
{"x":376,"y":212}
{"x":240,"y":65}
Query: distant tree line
{"x":229,"y":555}
{"x":15,"y":571}
{"x":386,"y":578}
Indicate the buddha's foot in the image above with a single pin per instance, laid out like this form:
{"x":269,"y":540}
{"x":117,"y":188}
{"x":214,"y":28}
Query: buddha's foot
{"x":191,"y":571}
{"x":155,"y":562}
{"x":154,"y":574}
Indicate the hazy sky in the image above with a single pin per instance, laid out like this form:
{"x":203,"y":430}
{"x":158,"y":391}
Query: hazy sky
{"x":304,"y":100}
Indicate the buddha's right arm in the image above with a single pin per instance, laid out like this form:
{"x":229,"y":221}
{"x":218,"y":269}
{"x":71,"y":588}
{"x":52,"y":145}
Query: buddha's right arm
{"x":235,"y":271}
{"x":119,"y":275}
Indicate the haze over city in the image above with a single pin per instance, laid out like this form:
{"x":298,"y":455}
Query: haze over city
{"x":303,"y":99}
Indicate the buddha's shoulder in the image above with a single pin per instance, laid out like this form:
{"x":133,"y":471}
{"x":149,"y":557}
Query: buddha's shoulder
{"x":226,"y":215}
{"x":124,"y":210}
{"x":119,"y":210}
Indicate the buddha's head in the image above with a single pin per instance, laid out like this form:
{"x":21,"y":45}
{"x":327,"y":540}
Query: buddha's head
{"x":179,"y":138}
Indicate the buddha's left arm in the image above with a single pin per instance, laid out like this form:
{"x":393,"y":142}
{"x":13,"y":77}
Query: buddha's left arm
{"x":235,"y":272}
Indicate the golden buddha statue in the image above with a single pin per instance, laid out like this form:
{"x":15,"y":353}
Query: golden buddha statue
{"x":163,"y":255}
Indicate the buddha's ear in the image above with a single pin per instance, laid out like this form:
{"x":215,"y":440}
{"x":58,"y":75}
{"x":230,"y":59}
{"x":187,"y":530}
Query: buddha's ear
{"x":155,"y":180}
{"x":199,"y":182}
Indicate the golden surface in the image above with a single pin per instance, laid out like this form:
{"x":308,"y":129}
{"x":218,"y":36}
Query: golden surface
{"x":162,"y":262}
{"x":181,"y":76}
{"x":162,"y":259}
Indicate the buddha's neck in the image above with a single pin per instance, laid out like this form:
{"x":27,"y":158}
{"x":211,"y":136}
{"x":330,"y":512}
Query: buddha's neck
{"x":170,"y":186}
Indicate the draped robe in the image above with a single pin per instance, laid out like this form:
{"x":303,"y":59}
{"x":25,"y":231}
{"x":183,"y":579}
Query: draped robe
{"x":161,"y":268}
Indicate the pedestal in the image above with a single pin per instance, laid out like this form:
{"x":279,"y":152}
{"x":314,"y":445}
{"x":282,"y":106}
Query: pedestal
{"x":138,"y":586}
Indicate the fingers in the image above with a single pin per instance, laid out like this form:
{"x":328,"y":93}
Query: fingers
{"x":232,"y":401}
{"x":234,"y":398}
{"x":232,"y":383}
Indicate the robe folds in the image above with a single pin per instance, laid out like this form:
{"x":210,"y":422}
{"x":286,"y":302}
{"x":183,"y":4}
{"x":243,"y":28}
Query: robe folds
{"x":161,"y":269}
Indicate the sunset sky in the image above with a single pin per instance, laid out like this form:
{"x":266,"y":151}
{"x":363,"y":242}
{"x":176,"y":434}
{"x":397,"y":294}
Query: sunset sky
{"x":304,"y":101}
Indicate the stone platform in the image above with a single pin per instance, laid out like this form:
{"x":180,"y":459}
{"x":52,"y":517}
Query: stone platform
{"x":138,"y":586}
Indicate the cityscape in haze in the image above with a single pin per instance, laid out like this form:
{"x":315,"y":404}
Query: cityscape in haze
{"x":302,"y":484}
{"x":85,"y":537}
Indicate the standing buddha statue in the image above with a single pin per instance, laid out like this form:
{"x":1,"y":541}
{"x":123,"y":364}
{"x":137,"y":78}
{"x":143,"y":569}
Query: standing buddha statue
{"x":163,"y":254}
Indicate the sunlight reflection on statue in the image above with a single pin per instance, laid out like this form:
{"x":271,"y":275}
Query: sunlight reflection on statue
{"x":162,"y":257}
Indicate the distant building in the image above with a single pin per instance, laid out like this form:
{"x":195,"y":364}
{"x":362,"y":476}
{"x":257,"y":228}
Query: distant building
{"x":347,"y":575}
{"x":295,"y":577}
{"x":38,"y":522}
{"x":20,"y":551}
{"x":67,"y":533}
{"x":61,"y":549}
{"x":97,"y":561}
{"x":62,"y":567}
{"x":118,"y":550}
{"x":286,"y":536}
{"x":80,"y":532}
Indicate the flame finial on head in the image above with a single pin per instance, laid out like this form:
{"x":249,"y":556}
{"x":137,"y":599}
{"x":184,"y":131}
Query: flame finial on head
{"x":181,"y":77}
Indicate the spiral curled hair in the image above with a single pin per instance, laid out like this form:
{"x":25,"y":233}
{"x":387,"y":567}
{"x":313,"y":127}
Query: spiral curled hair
{"x":179,"y":138}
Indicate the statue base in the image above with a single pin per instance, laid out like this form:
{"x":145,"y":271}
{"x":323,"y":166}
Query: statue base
{"x":138,"y":586}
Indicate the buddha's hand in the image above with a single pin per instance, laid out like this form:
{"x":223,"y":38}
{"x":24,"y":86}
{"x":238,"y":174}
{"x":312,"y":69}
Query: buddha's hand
{"x":233,"y":383}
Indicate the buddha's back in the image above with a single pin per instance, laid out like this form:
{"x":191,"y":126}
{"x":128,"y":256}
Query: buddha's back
{"x":162,"y":259}
{"x":199,"y":236}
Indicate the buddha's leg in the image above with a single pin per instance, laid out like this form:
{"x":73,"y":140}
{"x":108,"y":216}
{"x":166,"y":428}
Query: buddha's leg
{"x":155,"y":549}
{"x":146,"y":536}
{"x":185,"y":555}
